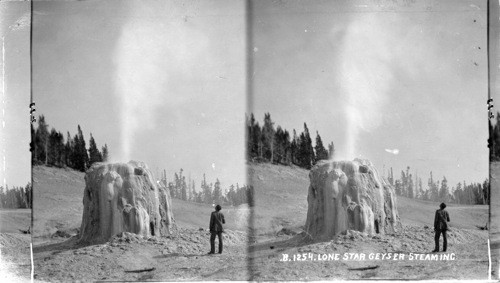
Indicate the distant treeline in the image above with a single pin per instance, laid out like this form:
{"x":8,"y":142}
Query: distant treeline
{"x":275,"y":145}
{"x":210,"y":193}
{"x":16,"y":197}
{"x":410,"y":185}
{"x":50,"y":148}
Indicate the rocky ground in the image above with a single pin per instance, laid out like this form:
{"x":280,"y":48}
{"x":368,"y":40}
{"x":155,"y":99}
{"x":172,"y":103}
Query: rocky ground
{"x":15,"y":260}
{"x":466,"y":258}
{"x":129,"y":257}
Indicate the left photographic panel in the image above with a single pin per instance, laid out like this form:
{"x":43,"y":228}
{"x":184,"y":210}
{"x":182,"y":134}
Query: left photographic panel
{"x":15,"y":156}
{"x":139,"y":140}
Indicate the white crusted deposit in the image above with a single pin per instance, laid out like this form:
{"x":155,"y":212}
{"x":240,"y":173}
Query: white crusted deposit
{"x":349,"y":195}
{"x":123,"y":197}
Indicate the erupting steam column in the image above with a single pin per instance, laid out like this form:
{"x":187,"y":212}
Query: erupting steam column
{"x":349,"y":195}
{"x":123,"y":197}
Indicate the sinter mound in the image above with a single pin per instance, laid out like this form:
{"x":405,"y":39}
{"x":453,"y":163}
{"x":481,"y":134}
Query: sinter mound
{"x":123,"y":197}
{"x":349,"y":195}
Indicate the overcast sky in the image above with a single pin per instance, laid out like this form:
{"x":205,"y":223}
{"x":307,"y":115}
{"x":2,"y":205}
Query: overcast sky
{"x":379,"y":80}
{"x":159,"y":81}
{"x":15,"y":157}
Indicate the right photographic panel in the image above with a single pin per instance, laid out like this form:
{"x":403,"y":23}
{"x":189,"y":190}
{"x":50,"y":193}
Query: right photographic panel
{"x":367,"y":141}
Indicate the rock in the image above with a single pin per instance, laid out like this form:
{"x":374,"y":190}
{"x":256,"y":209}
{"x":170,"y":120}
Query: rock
{"x":61,"y":233}
{"x":349,"y":195}
{"x":287,"y":231}
{"x":120,"y":198}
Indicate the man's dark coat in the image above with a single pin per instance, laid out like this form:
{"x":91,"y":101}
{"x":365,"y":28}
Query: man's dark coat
{"x":440,"y":226}
{"x":216,"y":221}
{"x":440,"y":220}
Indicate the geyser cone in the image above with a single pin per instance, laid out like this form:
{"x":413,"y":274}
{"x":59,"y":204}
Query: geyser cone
{"x":349,"y":195}
{"x":121,"y":197}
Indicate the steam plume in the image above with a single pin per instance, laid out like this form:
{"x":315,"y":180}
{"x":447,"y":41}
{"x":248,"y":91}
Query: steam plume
{"x":366,"y":77}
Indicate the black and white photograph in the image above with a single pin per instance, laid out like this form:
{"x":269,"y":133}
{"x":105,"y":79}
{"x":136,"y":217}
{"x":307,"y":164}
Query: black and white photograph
{"x":249,"y":140}
{"x":139,"y":138}
{"x":368,"y":140}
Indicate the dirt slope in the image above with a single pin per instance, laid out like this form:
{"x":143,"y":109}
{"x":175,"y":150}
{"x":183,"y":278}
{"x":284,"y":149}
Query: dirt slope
{"x":280,"y":196}
{"x":57,"y":200}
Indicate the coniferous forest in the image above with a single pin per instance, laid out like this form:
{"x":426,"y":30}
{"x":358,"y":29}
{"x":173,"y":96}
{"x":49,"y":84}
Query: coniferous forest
{"x":16,"y":197}
{"x":209,"y":193}
{"x":275,"y":145}
{"x":50,"y":148}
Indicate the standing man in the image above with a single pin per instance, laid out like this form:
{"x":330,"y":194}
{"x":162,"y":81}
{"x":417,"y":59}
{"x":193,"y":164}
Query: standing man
{"x":216,"y":221}
{"x":440,"y":226}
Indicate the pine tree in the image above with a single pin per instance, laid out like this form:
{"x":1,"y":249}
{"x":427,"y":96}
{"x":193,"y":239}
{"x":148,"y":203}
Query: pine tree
{"x":268,"y":137}
{"x":494,"y":139}
{"x":179,"y":191}
{"x":83,"y":149}
{"x":331,"y":150}
{"x":433,"y":189}
{"x":279,"y":149}
{"x":486,"y":191}
{"x":42,"y":140}
{"x":192,"y":192}
{"x":402,"y":189}
{"x":69,"y":151}
{"x":184,"y":188}
{"x":105,"y":154}
{"x":207,"y":191}
{"x":248,"y":137}
{"x":94,"y":153}
{"x":217,"y":193}
{"x":55,"y":148}
{"x":306,"y":151}
{"x":253,"y":137}
{"x":230,"y":195}
{"x":80,"y":158}
{"x":294,"y":148}
{"x":171,"y":189}
{"x":287,"y":148}
{"x":444,"y":190}
{"x":321,"y":152}
{"x":410,"y":187}
{"x":420,"y":188}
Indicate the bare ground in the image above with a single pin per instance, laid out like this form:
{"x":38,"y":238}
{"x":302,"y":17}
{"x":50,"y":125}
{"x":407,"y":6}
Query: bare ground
{"x":129,"y":257}
{"x":15,"y":260}
{"x":471,"y":261}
